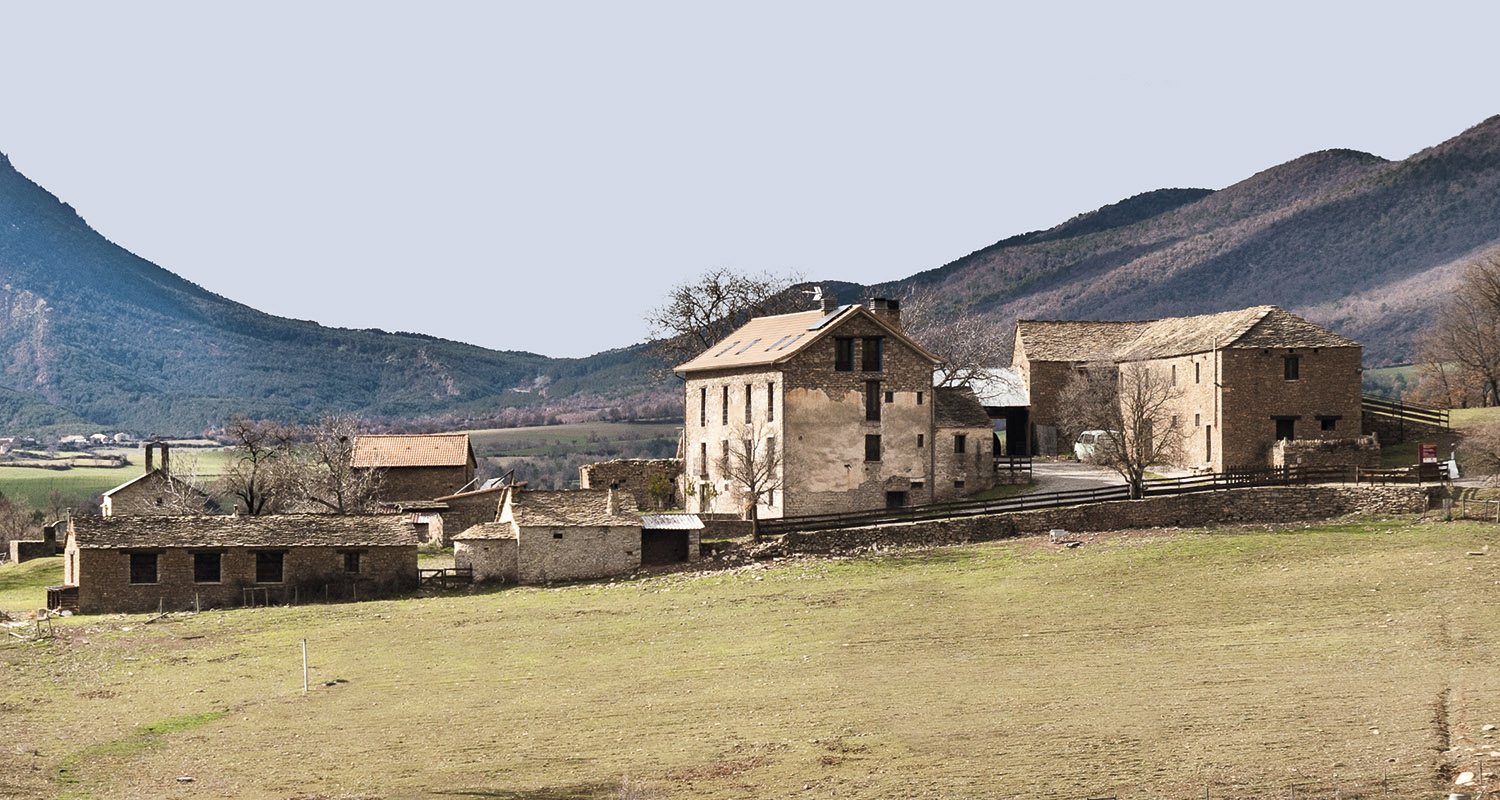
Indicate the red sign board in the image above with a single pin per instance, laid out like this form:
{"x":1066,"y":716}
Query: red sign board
{"x":1427,"y":453}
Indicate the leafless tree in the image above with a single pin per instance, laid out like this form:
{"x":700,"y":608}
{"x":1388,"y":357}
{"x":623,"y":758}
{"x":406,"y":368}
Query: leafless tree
{"x":703,"y":311}
{"x":324,"y":471}
{"x":17,"y":521}
{"x":1480,"y":451}
{"x":753,"y":468}
{"x":1462,"y":348}
{"x":968,"y":344}
{"x":1133,"y":403}
{"x":184,"y":492}
{"x":260,"y":475}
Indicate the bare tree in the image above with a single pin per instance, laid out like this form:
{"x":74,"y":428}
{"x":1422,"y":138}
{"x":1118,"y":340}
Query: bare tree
{"x":753,"y":468}
{"x":1480,"y":450}
{"x":1133,"y":404}
{"x":17,"y":521}
{"x":324,"y":472}
{"x":184,"y":492}
{"x":259,"y":476}
{"x":968,"y":344}
{"x":703,"y":311}
{"x":1466,"y":338}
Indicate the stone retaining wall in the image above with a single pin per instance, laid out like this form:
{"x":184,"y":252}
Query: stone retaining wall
{"x":1267,"y":504}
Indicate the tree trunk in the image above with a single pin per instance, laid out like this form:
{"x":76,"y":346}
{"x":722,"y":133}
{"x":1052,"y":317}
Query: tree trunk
{"x":754,"y":523}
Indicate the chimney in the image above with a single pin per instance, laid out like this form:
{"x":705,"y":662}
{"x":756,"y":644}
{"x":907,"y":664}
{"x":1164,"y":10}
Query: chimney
{"x":609,"y":503}
{"x":165,"y":467}
{"x":830,"y":303}
{"x":887,"y":310}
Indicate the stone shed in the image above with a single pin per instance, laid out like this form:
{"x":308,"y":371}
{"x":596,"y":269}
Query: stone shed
{"x":417,"y":467}
{"x":543,"y":536}
{"x":156,"y":492}
{"x":134,"y":564}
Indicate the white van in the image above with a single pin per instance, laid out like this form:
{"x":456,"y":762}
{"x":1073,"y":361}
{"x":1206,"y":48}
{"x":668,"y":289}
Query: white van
{"x":1089,"y":442}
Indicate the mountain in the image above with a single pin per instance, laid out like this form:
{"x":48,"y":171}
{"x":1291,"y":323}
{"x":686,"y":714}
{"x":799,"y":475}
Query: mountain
{"x":89,"y":331}
{"x":1366,"y":246}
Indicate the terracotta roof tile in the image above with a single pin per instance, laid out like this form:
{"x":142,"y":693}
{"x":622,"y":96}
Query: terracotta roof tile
{"x":283,"y":530}
{"x":422,"y":450}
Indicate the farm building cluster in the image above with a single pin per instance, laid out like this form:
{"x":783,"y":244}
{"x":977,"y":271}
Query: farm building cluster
{"x":828,"y":410}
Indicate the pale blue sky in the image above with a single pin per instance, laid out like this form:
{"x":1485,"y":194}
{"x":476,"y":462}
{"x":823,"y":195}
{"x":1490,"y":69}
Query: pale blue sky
{"x":532,"y":175}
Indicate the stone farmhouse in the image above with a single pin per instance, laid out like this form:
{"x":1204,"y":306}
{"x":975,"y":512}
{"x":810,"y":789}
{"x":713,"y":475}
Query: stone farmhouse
{"x":141,"y":563}
{"x":417,"y":467}
{"x":1247,"y":379}
{"x":541,"y":536}
{"x":845,"y":401}
{"x":155,"y":492}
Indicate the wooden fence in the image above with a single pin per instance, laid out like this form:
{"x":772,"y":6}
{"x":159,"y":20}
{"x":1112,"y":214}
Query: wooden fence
{"x":1406,"y":412}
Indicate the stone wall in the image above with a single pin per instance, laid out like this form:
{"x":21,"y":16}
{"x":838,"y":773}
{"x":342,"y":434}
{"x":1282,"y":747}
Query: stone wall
{"x":1268,"y":504}
{"x":309,"y":574}
{"x":577,"y":552}
{"x":471,"y":508}
{"x":1256,"y":392}
{"x":422,"y":483}
{"x":1363,"y":451}
{"x":491,"y":559}
{"x":634,"y":476}
{"x":956,"y":474}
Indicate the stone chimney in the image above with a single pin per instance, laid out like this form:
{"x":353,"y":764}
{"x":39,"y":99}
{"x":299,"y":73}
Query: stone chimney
{"x":166,"y":467}
{"x":830,"y":303}
{"x":887,"y":310}
{"x":150,"y":446}
{"x":609,"y":502}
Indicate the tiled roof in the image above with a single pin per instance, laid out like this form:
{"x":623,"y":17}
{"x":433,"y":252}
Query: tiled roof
{"x":283,"y":530}
{"x":771,"y":340}
{"x":421,"y":450}
{"x":572,"y":507}
{"x":1247,"y":328}
{"x":957,"y":407}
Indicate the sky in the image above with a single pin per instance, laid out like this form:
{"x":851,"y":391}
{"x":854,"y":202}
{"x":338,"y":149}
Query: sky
{"x":535,"y":176}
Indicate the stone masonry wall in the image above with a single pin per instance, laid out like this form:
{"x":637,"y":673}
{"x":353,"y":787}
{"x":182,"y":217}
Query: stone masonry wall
{"x":491,"y":559}
{"x":1269,"y":504}
{"x":1363,"y":451}
{"x":1256,"y":392}
{"x":634,"y":476}
{"x":422,"y":483}
{"x":577,"y":552}
{"x":103,"y":577}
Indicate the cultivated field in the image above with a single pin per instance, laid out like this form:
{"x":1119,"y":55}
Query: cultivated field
{"x":84,"y":482}
{"x":1158,"y":664}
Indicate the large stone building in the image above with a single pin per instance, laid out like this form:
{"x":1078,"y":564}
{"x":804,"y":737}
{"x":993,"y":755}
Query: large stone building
{"x":542,"y":536}
{"x":417,"y":467}
{"x":132,"y":564}
{"x":844,"y":400}
{"x":1244,"y":379}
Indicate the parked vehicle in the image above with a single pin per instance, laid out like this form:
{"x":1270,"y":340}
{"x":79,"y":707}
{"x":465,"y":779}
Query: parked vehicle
{"x":1089,"y":442}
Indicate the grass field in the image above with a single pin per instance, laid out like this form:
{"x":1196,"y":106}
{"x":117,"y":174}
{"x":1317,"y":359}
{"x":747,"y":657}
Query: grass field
{"x":574,"y":436}
{"x":1152,"y":665}
{"x":34,"y":485}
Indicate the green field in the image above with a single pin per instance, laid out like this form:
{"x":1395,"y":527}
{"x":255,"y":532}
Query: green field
{"x":1332,"y":658}
{"x":83,"y":483}
{"x":584,"y":436}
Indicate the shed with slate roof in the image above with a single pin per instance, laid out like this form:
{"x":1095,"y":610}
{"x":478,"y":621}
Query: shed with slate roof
{"x":132,"y":564}
{"x":1245,"y":378}
{"x":542,"y":536}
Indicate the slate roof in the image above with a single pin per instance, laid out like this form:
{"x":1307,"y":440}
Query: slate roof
{"x":957,"y":407}
{"x":181,"y":484}
{"x":774,"y":339}
{"x":1257,"y":327}
{"x":283,"y":530}
{"x":671,"y":522}
{"x":572,"y":507}
{"x":413,"y":450}
{"x":487,"y":530}
{"x":1000,"y":387}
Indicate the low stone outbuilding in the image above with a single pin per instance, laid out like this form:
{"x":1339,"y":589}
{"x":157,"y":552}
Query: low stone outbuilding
{"x":134,"y":564}
{"x":670,"y":538}
{"x":963,"y":460}
{"x":543,"y":536}
{"x":156,"y":492}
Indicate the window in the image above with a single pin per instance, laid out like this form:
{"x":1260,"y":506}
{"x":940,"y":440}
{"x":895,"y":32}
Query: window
{"x":1174,"y":374}
{"x":1208,"y":443}
{"x":960,"y":442}
{"x":1197,"y":372}
{"x":748,"y":390}
{"x":921,"y":440}
{"x":351,"y":561}
{"x":843,"y":354}
{"x":1174,"y":420}
{"x":208,"y":567}
{"x":890,"y":397}
{"x":919,"y":398}
{"x":556,"y":535}
{"x":724,"y":449}
{"x":1197,"y":420}
{"x":872,"y":447}
{"x":770,"y":402}
{"x":770,"y":449}
{"x":872,"y":353}
{"x":703,"y":406}
{"x":1286,"y":427}
{"x":268,"y":566}
{"x":725,"y":410}
{"x":703,"y":458}
{"x":916,"y":484}
{"x":1290,"y":367}
{"x":143,"y":568}
{"x":872,"y":401}
{"x":1328,"y":423}
{"x":959,"y":484}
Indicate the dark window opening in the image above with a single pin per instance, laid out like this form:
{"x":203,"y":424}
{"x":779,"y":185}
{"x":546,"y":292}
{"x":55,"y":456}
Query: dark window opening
{"x":872,"y":401}
{"x":872,"y":447}
{"x":725,"y":414}
{"x":1197,"y":420}
{"x":268,"y":566}
{"x":890,"y":397}
{"x":1197,"y":372}
{"x":770,"y":402}
{"x":556,"y":535}
{"x":1328,"y":423}
{"x":1174,"y":374}
{"x":351,"y":561}
{"x":872,"y":354}
{"x":921,"y":439}
{"x":748,"y":390}
{"x":895,"y":499}
{"x":208,"y":567}
{"x":1285,"y":428}
{"x":916,"y":484}
{"x":703,"y":458}
{"x":143,"y":568}
{"x":843,"y":354}
{"x":958,"y":484}
{"x":702,"y":406}
{"x":919,"y":398}
{"x":960,"y":442}
{"x":1291,"y":368}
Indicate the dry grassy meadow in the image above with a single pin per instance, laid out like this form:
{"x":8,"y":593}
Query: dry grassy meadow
{"x":1359,"y":658}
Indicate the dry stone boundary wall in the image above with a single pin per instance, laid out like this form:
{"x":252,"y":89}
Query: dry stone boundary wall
{"x":1267,"y":504}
